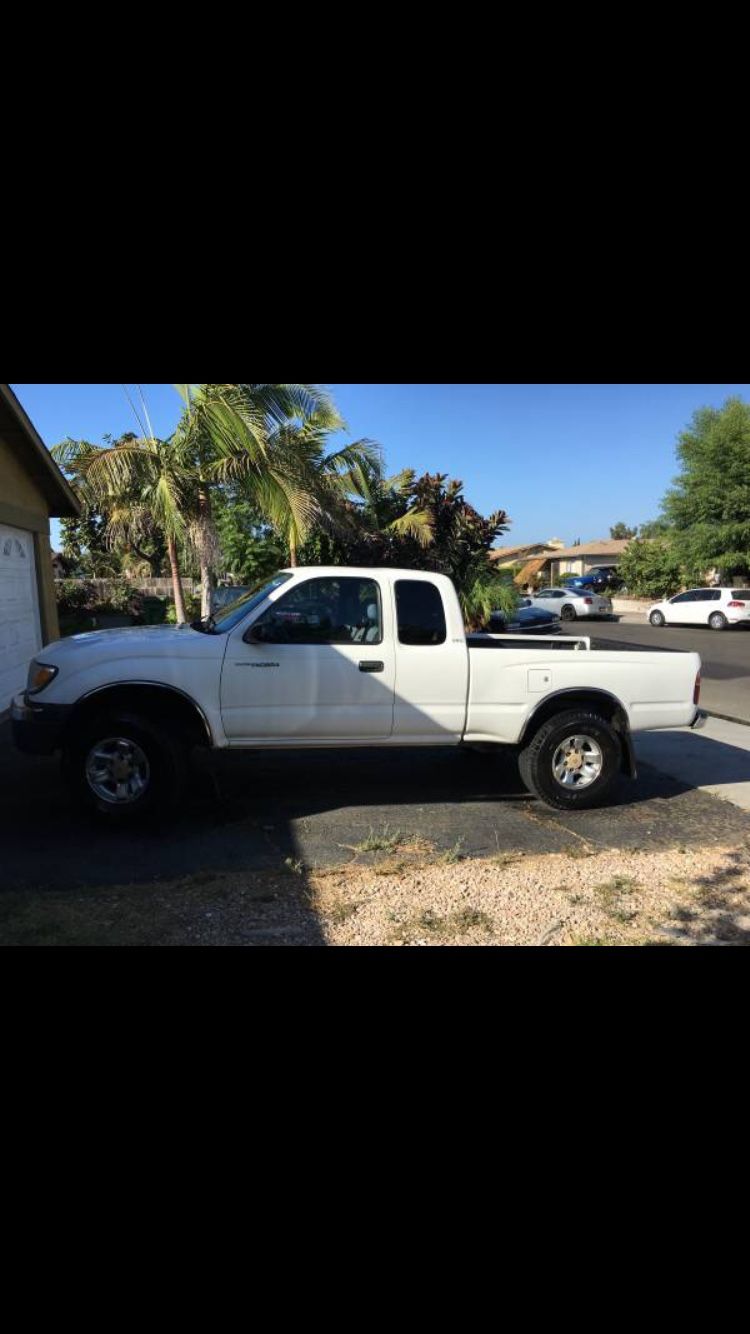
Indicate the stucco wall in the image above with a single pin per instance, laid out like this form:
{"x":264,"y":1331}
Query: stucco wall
{"x":24,"y":506}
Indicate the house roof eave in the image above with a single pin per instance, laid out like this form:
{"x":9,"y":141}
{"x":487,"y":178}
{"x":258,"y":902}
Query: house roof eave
{"x":21,"y":435}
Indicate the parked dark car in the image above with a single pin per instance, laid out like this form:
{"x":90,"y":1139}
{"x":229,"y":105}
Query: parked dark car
{"x":599,"y":578}
{"x":524,"y":621}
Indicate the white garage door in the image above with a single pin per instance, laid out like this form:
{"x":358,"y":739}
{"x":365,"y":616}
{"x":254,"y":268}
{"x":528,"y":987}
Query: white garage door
{"x":20,"y":636}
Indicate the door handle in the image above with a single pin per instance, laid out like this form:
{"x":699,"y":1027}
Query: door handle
{"x":371,"y":666}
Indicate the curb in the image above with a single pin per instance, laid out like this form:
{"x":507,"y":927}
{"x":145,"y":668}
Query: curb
{"x":728,"y":717}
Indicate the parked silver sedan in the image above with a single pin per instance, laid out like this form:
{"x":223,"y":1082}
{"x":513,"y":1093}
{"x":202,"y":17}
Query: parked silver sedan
{"x":570,"y":604}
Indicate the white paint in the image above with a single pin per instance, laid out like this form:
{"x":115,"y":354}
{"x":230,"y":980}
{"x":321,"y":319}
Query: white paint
{"x":20,"y":630}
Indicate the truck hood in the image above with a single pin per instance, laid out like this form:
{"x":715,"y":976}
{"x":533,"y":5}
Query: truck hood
{"x":163,"y":641}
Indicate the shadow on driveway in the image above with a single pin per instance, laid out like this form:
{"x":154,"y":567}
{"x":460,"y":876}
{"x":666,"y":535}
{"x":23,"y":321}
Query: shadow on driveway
{"x":271,"y":811}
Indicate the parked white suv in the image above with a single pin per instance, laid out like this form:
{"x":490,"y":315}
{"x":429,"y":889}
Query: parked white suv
{"x":717,"y":607}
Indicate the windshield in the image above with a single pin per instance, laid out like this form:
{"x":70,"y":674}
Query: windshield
{"x":228,"y":616}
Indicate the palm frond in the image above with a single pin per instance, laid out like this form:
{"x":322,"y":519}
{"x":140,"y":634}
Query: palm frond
{"x":69,"y":453}
{"x":169,"y":509}
{"x":400,"y":481}
{"x":416,"y":524}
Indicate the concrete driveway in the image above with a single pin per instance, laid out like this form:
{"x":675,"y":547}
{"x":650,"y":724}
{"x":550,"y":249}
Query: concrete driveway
{"x":265,"y":810}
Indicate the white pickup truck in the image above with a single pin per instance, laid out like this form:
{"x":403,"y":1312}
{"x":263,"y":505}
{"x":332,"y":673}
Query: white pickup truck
{"x":333,"y":656}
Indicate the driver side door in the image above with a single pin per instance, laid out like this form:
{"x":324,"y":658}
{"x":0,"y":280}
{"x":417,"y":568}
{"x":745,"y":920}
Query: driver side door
{"x":317,"y":665}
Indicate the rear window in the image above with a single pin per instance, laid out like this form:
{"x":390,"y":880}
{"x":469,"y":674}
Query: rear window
{"x":419,"y":612}
{"x":741,"y":594}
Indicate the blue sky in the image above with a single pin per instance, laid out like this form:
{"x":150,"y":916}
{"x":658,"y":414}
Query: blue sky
{"x":564,"y":460}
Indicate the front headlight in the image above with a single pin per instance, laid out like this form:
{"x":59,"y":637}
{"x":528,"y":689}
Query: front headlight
{"x":40,"y":675}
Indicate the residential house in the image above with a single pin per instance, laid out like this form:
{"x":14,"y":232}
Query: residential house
{"x":32,"y":490}
{"x":532,"y":558}
{"x":580,"y":559}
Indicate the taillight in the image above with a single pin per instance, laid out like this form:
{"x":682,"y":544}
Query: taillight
{"x":735,"y":604}
{"x":589,"y":602}
{"x":697,"y":691}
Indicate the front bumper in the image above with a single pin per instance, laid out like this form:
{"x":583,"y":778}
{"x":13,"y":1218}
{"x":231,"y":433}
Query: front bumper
{"x":699,"y":720}
{"x":38,"y":728}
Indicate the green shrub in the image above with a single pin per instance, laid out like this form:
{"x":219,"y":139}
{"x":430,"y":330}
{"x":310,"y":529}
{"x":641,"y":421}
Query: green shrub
{"x":122,"y":598}
{"x":192,"y":609}
{"x":74,"y":595}
{"x":651,"y":568}
{"x":152,"y":611}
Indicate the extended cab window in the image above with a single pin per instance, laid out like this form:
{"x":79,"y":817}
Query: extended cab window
{"x":419,"y":612}
{"x":324,"y":611}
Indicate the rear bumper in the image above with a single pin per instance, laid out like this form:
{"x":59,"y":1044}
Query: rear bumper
{"x":699,"y":720}
{"x":38,"y":728}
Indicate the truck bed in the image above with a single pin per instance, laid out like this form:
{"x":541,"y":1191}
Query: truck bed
{"x":564,"y":643}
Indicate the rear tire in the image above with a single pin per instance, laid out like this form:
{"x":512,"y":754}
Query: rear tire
{"x":590,"y":769}
{"x":717,"y":621}
{"x":567,"y":613}
{"x":125,"y":767}
{"x":657,"y":618}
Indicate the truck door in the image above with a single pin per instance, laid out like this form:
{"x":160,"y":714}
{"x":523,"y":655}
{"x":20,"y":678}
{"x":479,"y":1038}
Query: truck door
{"x":432,"y":666}
{"x":317,"y":665}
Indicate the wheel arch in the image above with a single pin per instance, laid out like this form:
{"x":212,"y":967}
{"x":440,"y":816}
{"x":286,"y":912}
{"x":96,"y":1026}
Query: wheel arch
{"x":603,"y":702}
{"x":151,"y":699}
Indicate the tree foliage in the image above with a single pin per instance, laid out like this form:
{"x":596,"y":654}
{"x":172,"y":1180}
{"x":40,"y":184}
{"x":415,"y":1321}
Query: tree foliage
{"x":651,"y":568}
{"x":421,"y":523}
{"x":708,"y":505}
{"x":250,"y":549}
{"x":620,"y":531}
{"x":659,"y":527}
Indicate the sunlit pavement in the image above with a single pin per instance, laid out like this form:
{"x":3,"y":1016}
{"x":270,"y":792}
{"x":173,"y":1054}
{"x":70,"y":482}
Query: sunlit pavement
{"x":715,"y":759}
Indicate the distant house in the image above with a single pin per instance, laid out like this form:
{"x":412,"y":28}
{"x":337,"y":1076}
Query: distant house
{"x":578,"y":560}
{"x":32,"y":489}
{"x":532,"y":558}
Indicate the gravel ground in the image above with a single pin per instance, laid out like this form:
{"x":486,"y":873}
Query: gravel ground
{"x":575,"y":898}
{"x":409,"y":895}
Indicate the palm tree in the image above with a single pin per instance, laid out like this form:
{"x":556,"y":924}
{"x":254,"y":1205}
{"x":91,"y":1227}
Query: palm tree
{"x":483,"y":592}
{"x":385,"y":511}
{"x":303,"y":485}
{"x":134,"y":479}
{"x":250,"y":432}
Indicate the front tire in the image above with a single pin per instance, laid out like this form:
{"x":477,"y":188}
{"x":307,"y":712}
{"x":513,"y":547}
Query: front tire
{"x":717,"y":621}
{"x":125,"y":767}
{"x":572,"y":762}
{"x":657,"y":618}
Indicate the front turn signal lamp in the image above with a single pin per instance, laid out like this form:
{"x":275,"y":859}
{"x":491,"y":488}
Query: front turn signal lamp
{"x":40,"y":675}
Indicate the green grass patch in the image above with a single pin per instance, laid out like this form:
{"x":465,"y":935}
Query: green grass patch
{"x":386,"y":841}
